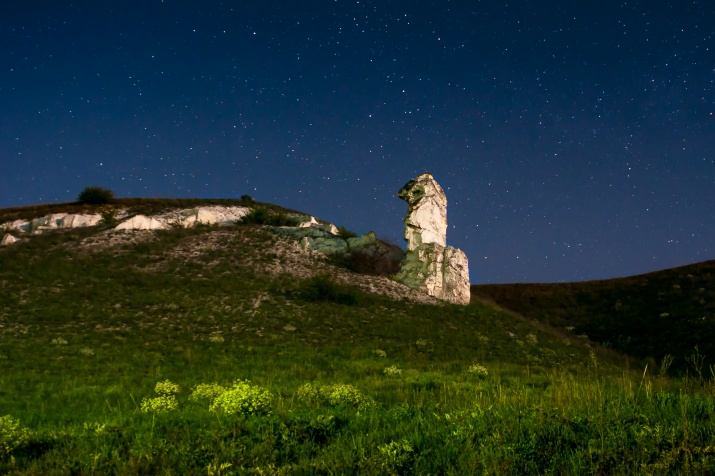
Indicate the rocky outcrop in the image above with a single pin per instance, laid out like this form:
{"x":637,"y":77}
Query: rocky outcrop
{"x":8,"y":239}
{"x":211,"y":215}
{"x":141,"y":222}
{"x":364,"y":254}
{"x":53,"y":222}
{"x":429,"y":265}
{"x":426,"y":220}
{"x":311,"y":222}
{"x":79,"y":220}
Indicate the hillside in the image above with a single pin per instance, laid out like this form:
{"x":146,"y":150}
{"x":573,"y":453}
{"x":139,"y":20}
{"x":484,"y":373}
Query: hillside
{"x":647,"y":316}
{"x":232,"y":350}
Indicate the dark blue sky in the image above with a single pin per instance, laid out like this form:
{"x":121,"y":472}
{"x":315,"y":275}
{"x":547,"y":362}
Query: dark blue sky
{"x":574,"y":140}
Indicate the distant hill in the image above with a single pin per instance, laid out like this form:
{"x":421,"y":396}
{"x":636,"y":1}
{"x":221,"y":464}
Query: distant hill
{"x":646,"y":316}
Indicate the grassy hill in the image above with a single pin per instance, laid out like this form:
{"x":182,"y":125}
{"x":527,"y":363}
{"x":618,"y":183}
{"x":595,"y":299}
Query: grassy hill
{"x":649,"y":316}
{"x":232,"y":351}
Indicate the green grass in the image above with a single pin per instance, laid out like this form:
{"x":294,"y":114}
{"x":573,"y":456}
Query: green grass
{"x":649,"y":316}
{"x":317,"y":382}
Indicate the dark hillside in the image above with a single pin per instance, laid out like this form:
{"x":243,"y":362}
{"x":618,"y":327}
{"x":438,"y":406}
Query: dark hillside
{"x":645,"y":316}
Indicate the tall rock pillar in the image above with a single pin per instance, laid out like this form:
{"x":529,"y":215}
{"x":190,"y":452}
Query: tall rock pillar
{"x":429,"y":265}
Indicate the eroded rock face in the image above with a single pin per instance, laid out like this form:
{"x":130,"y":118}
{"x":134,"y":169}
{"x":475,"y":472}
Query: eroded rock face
{"x":429,"y":265}
{"x":426,"y":220}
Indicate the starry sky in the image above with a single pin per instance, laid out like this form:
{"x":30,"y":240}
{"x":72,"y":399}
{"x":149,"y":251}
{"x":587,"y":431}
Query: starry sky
{"x":575,"y":140}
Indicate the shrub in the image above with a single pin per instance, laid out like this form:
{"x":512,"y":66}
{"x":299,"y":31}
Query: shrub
{"x":12,"y":435}
{"x":264,"y":216}
{"x":345,"y":233}
{"x":321,"y":288}
{"x":345,"y":394}
{"x":243,"y":398}
{"x":335,"y":395}
{"x":96,"y":196}
{"x":382,"y":263}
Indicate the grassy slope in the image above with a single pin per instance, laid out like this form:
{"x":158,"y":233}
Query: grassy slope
{"x":646,"y":316}
{"x":85,"y":336}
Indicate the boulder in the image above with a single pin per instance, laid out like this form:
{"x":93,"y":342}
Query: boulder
{"x":8,"y":239}
{"x":428,"y":264}
{"x":141,"y":222}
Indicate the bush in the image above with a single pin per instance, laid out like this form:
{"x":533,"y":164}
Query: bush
{"x":376,"y":262}
{"x":345,"y":233}
{"x":321,"y":288}
{"x":243,"y":398}
{"x":264,"y":216}
{"x":96,"y":196}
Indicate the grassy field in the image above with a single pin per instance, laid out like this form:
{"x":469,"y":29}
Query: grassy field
{"x":139,"y":359}
{"x":651,"y":316}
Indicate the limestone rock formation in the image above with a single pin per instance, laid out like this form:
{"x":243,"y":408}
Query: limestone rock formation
{"x":429,"y":265}
{"x":426,"y":220}
{"x":79,"y":220}
{"x":311,"y":222}
{"x":8,"y":239}
{"x":210,"y":215}
{"x":141,"y":222}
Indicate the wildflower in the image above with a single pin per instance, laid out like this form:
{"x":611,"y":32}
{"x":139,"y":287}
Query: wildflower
{"x":421,"y":343}
{"x":243,"y":398}
{"x":160,"y":404}
{"x":206,"y":391}
{"x":216,"y":338}
{"x":392,"y":370}
{"x":166,"y":388}
{"x":289,"y":328}
{"x":86,"y":351}
{"x":478,"y":369}
{"x":345,"y":394}
{"x":59,"y":341}
{"x":379,"y":353}
{"x":12,"y":435}
{"x":396,"y":456}
{"x":309,"y":393}
{"x":532,"y":339}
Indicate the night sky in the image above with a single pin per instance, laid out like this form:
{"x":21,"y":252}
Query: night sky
{"x":575,"y":140}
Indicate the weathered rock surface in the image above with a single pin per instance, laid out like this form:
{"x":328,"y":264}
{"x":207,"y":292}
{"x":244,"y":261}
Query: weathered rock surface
{"x":311,"y":222}
{"x":8,"y":239}
{"x":429,"y":265}
{"x":209,"y":215}
{"x":426,"y":220}
{"x":79,"y":220}
{"x":141,"y":222}
{"x":365,"y":254}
